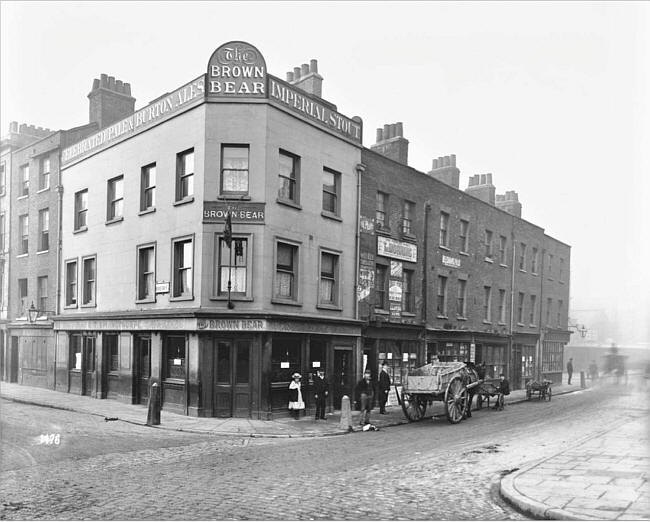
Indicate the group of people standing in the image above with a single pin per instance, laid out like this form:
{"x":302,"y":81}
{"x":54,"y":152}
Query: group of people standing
{"x":365,"y":392}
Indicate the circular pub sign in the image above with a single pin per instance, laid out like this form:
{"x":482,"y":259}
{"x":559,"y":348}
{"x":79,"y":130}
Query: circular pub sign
{"x":236,"y":69}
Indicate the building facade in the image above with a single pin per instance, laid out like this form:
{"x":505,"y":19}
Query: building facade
{"x":209,"y":245}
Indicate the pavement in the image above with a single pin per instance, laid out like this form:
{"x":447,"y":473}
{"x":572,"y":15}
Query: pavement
{"x":601,"y":478}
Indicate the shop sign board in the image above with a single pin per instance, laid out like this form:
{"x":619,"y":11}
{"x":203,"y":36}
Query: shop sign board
{"x":452,"y":262}
{"x":395,"y":291}
{"x":217,"y":211}
{"x":388,"y":247}
{"x":162,"y":287}
{"x":396,"y":269}
{"x":236,"y":69}
{"x":247,"y":325}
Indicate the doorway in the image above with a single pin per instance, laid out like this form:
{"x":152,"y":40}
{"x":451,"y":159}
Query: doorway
{"x":142,"y":368}
{"x":342,"y":376}
{"x":89,"y":358}
{"x":516,"y":367}
{"x":232,"y":394}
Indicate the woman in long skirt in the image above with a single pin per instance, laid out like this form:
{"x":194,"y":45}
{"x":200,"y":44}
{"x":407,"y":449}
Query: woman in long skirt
{"x":295,"y":396}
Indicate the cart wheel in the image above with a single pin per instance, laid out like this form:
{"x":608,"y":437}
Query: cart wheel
{"x":479,"y":401}
{"x":456,"y":400}
{"x":529,"y":393}
{"x":413,"y":406}
{"x":549,"y":393}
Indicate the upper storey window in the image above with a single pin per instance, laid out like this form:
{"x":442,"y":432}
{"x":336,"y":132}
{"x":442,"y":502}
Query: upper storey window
{"x":115,"y":194}
{"x":234,"y":170}
{"x":289,"y":178}
{"x":331,"y":191}
{"x":381,"y":214}
{"x":185,"y":175}
{"x":24,"y":181}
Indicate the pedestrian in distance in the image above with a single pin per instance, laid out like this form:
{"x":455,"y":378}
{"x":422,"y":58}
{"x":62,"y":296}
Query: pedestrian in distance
{"x":296,"y":402}
{"x":593,"y":371}
{"x":569,"y":368}
{"x":384,"y":388}
{"x":503,"y":389}
{"x":321,"y":391}
{"x":365,"y":394}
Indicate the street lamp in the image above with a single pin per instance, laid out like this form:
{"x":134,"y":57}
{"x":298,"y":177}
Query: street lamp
{"x":32,"y":313}
{"x":580,"y":328}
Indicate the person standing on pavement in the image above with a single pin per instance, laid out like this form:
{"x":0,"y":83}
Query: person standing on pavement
{"x":365,"y":394}
{"x":296,"y":403}
{"x":384,"y":388}
{"x":569,"y":368}
{"x":504,"y":389}
{"x":321,"y":390}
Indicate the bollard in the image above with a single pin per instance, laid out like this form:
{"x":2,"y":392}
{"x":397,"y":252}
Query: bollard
{"x":346,"y":414}
{"x":153,"y":405}
{"x":583,"y":381}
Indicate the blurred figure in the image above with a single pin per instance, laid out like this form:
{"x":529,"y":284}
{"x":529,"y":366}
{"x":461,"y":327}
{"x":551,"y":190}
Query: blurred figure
{"x":569,"y":368}
{"x":593,"y":371}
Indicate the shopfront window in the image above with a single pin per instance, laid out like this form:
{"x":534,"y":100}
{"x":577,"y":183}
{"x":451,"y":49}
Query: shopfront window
{"x":285,"y":359}
{"x":400,"y":356}
{"x":75,"y":352}
{"x":175,"y":357}
{"x":527,"y":362}
{"x":494,"y":358}
{"x":448,"y":352}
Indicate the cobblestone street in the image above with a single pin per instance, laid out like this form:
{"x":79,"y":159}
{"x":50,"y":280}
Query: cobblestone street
{"x":428,"y":470}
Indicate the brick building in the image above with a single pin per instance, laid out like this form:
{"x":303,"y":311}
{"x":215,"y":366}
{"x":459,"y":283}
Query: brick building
{"x":447,"y":273}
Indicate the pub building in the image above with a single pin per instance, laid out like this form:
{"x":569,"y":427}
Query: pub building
{"x":209,"y":244}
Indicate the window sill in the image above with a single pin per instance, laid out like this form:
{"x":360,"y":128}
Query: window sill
{"x":521,"y":324}
{"x":289,"y":302}
{"x":532,"y":326}
{"x":384,"y":231}
{"x":534,"y":273}
{"x":442,"y":316}
{"x":89,"y":305}
{"x":443,"y":247}
{"x":24,"y":196}
{"x":173,"y":380}
{"x":75,"y":370}
{"x":500,"y":323}
{"x":463,"y":254}
{"x":409,"y":236}
{"x":330,"y":215}
{"x":232,"y":298}
{"x":489,"y":260}
{"x":288,"y":203}
{"x":19,"y":256}
{"x":561,"y":282}
{"x":43,"y":252}
{"x":80,"y":230}
{"x":234,"y":197}
{"x":485,"y":321}
{"x":502,"y":265}
{"x":550,"y":278}
{"x":522,"y":271}
{"x":114,"y":220}
{"x":182,"y":298}
{"x":147,"y":211}
{"x":408,"y":314}
{"x":461,"y":318}
{"x":70,"y":307}
{"x":381,"y":311}
{"x":183,"y":201}
{"x":43,"y":190}
{"x":145,"y":301}
{"x":329,"y":307}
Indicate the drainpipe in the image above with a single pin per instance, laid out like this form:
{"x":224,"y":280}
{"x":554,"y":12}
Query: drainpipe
{"x":361,"y":168}
{"x":59,"y":262}
{"x":540,"y":350}
{"x":512,"y":295}
{"x":425,"y":271}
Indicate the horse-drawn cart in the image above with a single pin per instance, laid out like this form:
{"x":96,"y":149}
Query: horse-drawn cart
{"x":543,"y":389}
{"x":450,"y":382}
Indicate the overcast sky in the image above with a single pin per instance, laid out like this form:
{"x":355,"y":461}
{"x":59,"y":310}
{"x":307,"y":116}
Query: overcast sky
{"x":551,"y":98}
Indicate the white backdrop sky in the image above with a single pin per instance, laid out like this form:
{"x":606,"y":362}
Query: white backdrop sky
{"x":551,"y":98}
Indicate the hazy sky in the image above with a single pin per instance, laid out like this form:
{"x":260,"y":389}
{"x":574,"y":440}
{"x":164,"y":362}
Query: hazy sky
{"x":551,"y":98}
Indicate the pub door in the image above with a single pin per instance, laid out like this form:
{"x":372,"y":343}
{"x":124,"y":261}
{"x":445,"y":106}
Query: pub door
{"x":142,"y":368}
{"x":232,"y":394}
{"x":515,"y":381}
{"x":342,"y":382}
{"x":88,"y":373}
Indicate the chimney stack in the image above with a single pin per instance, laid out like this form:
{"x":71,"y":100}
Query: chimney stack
{"x":509,"y":202}
{"x":444,"y":169}
{"x":480,"y":186}
{"x":110,"y":100}
{"x":391,"y":143}
{"x":306,"y":77}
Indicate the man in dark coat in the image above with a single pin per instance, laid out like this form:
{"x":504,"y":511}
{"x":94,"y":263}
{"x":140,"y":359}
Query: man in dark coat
{"x":569,"y":368}
{"x":321,"y":391}
{"x":365,"y":394}
{"x":504,"y":389}
{"x":384,"y":388}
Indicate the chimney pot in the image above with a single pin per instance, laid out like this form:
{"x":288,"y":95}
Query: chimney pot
{"x":290,"y":76}
{"x":296,"y":74}
{"x":313,"y":66}
{"x":380,"y":135}
{"x":95,"y":84}
{"x":119,"y":86}
{"x":305,"y":69}
{"x":446,"y":161}
{"x":434,"y":164}
{"x":489,"y":179}
{"x":386,"y":131}
{"x":103,"y":80}
{"x":453,"y":160}
{"x":111,"y":83}
{"x":127,"y":89}
{"x":400,"y":129}
{"x":13,"y":127}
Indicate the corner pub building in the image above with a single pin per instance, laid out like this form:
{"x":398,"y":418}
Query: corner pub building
{"x":209,"y":243}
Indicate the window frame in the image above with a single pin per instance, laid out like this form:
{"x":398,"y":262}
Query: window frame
{"x":3,"y":178}
{"x":408,"y":295}
{"x":44,"y":175}
{"x":461,"y":299}
{"x":522,"y":257}
{"x":68,"y":302}
{"x":520,"y":308}
{"x":335,"y":277}
{"x":295,"y":272}
{"x":43,"y":235}
{"x":175,"y":295}
{"x":145,"y":190}
{"x":503,"y":301}
{"x":23,"y":234}
{"x":441,"y":296}
{"x":487,"y":243}
{"x":533,"y":309}
{"x":293,"y":178}
{"x":381,"y":294}
{"x":234,"y":193}
{"x":79,"y":210}
{"x":381,"y":210}
{"x":216,"y":294}
{"x":408,"y":210}
{"x":443,"y":238}
{"x":23,"y":296}
{"x":139,"y":274}
{"x":112,"y":199}
{"x":463,"y":235}
{"x":23,"y":178}
{"x":182,"y":175}
{"x":85,"y":301}
{"x":108,"y":347}
{"x":336,"y":194}
{"x":503,"y":250}
{"x":487,"y":304}
{"x":41,"y":298}
{"x":534,"y":260}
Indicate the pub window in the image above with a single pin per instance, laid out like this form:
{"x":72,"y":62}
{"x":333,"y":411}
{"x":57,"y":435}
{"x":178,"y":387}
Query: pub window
{"x":115,"y":198}
{"x":232,"y":265}
{"x":234,"y":170}
{"x":41,"y":294}
{"x":80,"y":209}
{"x":289,"y":177}
{"x":75,"y":353}
{"x":444,"y":229}
{"x":44,"y":174}
{"x":174,"y":357}
{"x":112,"y":348}
{"x":89,"y":285}
{"x":146,"y":270}
{"x":441,"y":301}
{"x":184,"y":175}
{"x":329,"y":279}
{"x":183,"y":258}
{"x":381,"y":213}
{"x":286,"y":272}
{"x":381,"y":285}
{"x":143,"y":342}
{"x":24,"y":180}
{"x":148,"y":187}
{"x":408,"y":304}
{"x":43,"y":230}
{"x":71,"y":283}
{"x":462,"y":294}
{"x":285,"y":360}
{"x":464,"y":235}
{"x":23,"y":226}
{"x":331,"y":191}
{"x":407,"y":217}
{"x":487,"y":304}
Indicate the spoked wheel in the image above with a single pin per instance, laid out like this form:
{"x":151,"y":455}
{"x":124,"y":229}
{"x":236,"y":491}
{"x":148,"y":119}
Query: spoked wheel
{"x":456,"y":400}
{"x":414,"y":406}
{"x":549,"y":393}
{"x":529,"y":393}
{"x":479,"y":401}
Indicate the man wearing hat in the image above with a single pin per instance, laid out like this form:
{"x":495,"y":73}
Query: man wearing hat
{"x":321,"y":390}
{"x":365,"y":394}
{"x":384,"y":387}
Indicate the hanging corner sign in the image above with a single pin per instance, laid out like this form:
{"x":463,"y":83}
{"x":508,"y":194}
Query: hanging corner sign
{"x":236,"y":69}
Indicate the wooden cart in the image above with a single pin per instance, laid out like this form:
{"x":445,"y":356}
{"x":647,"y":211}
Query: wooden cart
{"x":543,"y":389}
{"x":449,"y":382}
